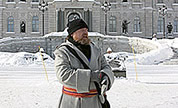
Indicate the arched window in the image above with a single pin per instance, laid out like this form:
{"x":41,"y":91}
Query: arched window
{"x":175,"y":25}
{"x":137,"y":25}
{"x":35,"y":24}
{"x":160,"y":1}
{"x":112,"y":24}
{"x":175,"y":1}
{"x":160,"y":25}
{"x":73,"y":16}
{"x":10,"y":24}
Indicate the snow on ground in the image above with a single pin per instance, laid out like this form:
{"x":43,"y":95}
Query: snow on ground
{"x":23,"y":82}
{"x":24,"y":58}
{"x":175,"y":43}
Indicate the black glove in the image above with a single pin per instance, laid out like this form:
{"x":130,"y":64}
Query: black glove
{"x":96,"y":76}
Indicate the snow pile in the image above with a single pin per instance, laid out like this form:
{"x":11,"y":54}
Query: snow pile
{"x":24,"y":58}
{"x":116,"y":56}
{"x":151,"y":52}
{"x":175,"y":43}
{"x":141,"y":46}
{"x":117,"y":60}
{"x":161,"y":51}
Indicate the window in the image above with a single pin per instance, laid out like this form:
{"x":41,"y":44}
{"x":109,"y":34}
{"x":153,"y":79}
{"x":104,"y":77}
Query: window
{"x":35,"y":0}
{"x":175,"y":25}
{"x":10,"y":24}
{"x":10,"y":0}
{"x":23,"y":0}
{"x":175,"y":1}
{"x":124,"y":1}
{"x":113,"y":3}
{"x":73,"y":16}
{"x":137,"y":25}
{"x":136,"y":0}
{"x":160,"y":1}
{"x":160,"y":24}
{"x":112,"y":24}
{"x":35,"y":24}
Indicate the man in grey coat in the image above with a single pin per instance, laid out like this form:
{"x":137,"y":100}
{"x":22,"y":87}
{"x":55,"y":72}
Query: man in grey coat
{"x":79,"y":89}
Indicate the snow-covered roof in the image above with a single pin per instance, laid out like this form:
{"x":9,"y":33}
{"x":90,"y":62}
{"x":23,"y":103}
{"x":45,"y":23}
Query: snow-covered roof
{"x":65,"y":33}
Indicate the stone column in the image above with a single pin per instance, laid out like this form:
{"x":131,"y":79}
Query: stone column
{"x":1,"y":22}
{"x":88,"y":18}
{"x":60,"y":20}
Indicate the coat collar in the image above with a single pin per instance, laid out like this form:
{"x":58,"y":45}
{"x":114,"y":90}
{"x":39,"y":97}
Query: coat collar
{"x":94,"y":53}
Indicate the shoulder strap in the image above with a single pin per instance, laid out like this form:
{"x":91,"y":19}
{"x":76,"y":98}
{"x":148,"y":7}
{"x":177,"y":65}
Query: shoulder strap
{"x":77,"y":56}
{"x":84,"y":64}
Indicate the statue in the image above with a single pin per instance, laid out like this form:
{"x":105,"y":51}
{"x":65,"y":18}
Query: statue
{"x":169,"y":27}
{"x":154,"y":37}
{"x":125,"y":26}
{"x":22,"y":27}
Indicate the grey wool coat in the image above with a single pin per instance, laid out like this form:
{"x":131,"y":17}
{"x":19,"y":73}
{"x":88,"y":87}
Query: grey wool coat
{"x":72,"y":74}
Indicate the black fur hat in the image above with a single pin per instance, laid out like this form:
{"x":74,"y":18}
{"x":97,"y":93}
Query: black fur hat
{"x":75,"y":25}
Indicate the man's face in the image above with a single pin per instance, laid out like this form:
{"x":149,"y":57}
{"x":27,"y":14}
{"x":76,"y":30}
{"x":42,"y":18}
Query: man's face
{"x":81,"y":36}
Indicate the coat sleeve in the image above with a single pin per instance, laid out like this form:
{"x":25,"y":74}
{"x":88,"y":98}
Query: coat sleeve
{"x":106,"y":69}
{"x":78,"y":79}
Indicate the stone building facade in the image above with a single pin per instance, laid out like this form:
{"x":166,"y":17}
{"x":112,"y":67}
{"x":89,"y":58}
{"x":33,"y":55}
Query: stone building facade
{"x":22,"y":18}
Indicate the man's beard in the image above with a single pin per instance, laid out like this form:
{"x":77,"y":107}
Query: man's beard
{"x":84,"y":41}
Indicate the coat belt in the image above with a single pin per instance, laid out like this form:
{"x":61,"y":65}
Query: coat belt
{"x":73,"y":92}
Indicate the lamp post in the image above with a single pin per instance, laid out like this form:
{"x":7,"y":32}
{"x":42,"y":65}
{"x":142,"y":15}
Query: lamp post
{"x":163,"y":12}
{"x":106,"y":6}
{"x":43,"y":6}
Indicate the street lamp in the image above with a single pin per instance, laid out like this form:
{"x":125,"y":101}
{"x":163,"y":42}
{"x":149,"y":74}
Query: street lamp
{"x":43,"y":6}
{"x":163,"y":11}
{"x":106,"y":6}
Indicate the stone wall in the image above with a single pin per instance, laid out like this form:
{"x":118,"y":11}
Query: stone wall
{"x":49,"y":44}
{"x":21,"y":44}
